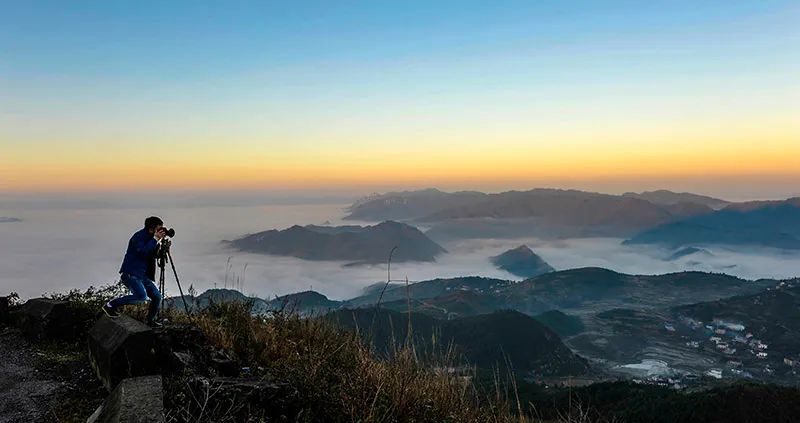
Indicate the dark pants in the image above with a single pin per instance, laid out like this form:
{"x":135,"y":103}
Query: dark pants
{"x":141,"y":289}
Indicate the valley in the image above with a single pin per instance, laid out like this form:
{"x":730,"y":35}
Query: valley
{"x":673,"y":329}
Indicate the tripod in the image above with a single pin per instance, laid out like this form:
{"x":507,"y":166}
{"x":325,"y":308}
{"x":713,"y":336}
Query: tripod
{"x":163,"y":257}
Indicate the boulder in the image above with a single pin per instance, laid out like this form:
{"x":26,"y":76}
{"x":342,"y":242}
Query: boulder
{"x":3,"y":310}
{"x":244,"y":399}
{"x":134,"y":400}
{"x":121,"y":348}
{"x":182,"y":349}
{"x":224,"y":365}
{"x":42,"y":317}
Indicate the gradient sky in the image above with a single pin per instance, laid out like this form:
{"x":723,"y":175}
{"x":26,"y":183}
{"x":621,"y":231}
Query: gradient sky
{"x":112,"y":95}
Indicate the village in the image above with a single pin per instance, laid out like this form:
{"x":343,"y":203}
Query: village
{"x":739,"y":352}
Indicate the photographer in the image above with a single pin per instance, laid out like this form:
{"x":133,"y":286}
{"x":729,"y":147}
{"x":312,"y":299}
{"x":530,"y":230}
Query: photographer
{"x":138,"y":270}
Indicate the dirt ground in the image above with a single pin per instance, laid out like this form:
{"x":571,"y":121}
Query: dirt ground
{"x":27,"y":394}
{"x":45,"y":382}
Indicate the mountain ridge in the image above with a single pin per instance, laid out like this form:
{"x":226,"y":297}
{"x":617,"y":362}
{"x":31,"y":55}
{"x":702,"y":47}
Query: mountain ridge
{"x":770,"y":224}
{"x":490,"y":340}
{"x":352,"y":243}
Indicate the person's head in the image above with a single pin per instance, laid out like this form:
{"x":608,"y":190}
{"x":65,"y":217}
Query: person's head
{"x":153,"y":223}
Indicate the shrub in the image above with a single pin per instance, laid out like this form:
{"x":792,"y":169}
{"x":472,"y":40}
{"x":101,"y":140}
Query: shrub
{"x":85,"y":305}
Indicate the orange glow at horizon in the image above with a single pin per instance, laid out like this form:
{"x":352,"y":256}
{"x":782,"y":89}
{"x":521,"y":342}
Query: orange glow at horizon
{"x":758,"y":146}
{"x":468,"y":165}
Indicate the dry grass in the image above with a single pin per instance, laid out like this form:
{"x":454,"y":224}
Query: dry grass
{"x":338,"y":376}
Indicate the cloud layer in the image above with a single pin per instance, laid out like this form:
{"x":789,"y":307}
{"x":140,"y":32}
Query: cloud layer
{"x":56,"y":250}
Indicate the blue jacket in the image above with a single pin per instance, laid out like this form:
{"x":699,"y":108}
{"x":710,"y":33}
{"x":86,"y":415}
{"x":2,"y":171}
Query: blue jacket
{"x":140,"y":251}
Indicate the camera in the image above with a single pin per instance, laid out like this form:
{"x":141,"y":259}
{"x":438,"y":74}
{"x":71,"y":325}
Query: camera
{"x":163,"y":246}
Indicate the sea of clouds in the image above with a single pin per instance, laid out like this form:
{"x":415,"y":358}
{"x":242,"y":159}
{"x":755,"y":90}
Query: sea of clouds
{"x":74,"y":245}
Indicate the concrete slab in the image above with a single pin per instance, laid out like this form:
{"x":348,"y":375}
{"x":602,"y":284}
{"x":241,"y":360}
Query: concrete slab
{"x":121,"y":348}
{"x":134,"y":400}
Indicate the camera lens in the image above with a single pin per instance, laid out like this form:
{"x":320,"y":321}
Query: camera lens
{"x":171,"y":232}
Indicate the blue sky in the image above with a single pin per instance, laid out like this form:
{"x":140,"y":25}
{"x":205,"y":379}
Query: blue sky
{"x":162,"y":41}
{"x":83,"y":78}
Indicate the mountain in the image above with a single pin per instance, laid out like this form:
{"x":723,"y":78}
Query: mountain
{"x":775,"y":306}
{"x":665,"y":197}
{"x":551,"y":212}
{"x":561,"y":323}
{"x":489,"y":341}
{"x":452,"y":305}
{"x":408,"y":204}
{"x":360,"y":244}
{"x":429,"y":289}
{"x":376,"y":288}
{"x":688,"y":251}
{"x":591,"y":288}
{"x":521,"y":261}
{"x":4,"y":219}
{"x":755,"y":205}
{"x":726,"y":334}
{"x":217,"y":296}
{"x":768,"y":224}
{"x":561,"y":206}
{"x":583,"y":290}
{"x":622,"y":322}
{"x":771,"y":316}
{"x":537,"y":212}
{"x":306,"y":303}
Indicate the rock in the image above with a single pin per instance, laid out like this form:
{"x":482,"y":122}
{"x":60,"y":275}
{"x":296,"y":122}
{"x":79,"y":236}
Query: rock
{"x":180,"y":337}
{"x":224,"y":365}
{"x":245,"y":399}
{"x":238,"y":390}
{"x":121,"y":348}
{"x":3,"y":310}
{"x":134,"y":400}
{"x":183,"y":349}
{"x":43,"y":317}
{"x":181,"y":361}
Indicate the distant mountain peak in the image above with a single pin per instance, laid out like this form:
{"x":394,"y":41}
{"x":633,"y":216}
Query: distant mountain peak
{"x":350,"y":243}
{"x":521,"y":261}
{"x":688,"y":251}
{"x":305,"y":303}
{"x":522,"y":249}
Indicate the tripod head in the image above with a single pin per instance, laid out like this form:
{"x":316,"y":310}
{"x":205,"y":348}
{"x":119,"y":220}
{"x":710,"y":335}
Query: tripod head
{"x":162,"y":252}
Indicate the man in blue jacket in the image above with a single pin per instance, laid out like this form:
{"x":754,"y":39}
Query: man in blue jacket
{"x":141,"y":251}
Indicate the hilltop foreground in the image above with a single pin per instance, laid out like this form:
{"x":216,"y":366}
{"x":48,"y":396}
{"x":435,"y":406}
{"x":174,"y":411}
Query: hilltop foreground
{"x":225,"y":364}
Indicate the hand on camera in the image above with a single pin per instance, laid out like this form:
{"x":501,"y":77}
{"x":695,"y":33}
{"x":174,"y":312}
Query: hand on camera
{"x":160,"y":233}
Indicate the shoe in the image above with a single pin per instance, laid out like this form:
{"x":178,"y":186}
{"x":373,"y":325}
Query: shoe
{"x":155,"y":324}
{"x":110,"y":311}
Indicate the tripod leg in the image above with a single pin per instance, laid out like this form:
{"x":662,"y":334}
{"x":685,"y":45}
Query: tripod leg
{"x":175,"y":272}
{"x":161,"y":283}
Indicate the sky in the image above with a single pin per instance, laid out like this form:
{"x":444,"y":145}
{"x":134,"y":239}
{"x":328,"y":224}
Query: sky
{"x":102,"y":96}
